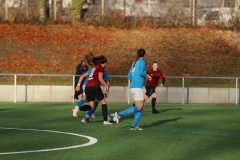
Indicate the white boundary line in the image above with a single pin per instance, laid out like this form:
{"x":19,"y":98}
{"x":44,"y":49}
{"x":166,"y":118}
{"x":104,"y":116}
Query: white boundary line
{"x":91,"y":141}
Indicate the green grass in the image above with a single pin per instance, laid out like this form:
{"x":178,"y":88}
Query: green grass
{"x":186,"y":132}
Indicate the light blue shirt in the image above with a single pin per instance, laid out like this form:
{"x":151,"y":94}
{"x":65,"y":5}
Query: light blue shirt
{"x":137,"y":74}
{"x":105,"y":76}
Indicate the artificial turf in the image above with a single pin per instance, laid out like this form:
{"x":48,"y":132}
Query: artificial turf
{"x":185,"y":132}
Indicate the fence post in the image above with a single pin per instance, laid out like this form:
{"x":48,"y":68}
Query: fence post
{"x":6,"y":10}
{"x":15,"y":88}
{"x":55,"y":9}
{"x":193,"y":11}
{"x":102,"y":8}
{"x":128,"y":95}
{"x":196,"y":12}
{"x":124,"y":8}
{"x":149,"y":8}
{"x":183,"y":90}
{"x":236,"y":91}
{"x":73,"y":89}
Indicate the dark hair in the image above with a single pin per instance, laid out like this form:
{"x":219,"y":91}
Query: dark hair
{"x":92,"y":60}
{"x":155,"y":62}
{"x":140,"y":53}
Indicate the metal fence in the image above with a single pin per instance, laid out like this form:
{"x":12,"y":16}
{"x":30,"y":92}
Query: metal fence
{"x":163,"y":10}
{"x":124,"y":76}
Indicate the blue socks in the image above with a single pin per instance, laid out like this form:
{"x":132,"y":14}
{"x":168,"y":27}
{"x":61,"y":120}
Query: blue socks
{"x":80,"y":103}
{"x":130,"y":110}
{"x":137,"y":118}
{"x":89,"y":113}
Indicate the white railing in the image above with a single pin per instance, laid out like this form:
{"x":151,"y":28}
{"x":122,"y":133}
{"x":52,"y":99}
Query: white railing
{"x":121,"y":76}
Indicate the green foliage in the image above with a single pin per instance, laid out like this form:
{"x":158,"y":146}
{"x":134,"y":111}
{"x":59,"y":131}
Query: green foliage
{"x":74,"y":10}
{"x":40,"y":4}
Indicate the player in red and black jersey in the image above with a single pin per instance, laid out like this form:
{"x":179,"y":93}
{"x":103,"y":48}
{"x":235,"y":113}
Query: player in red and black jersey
{"x":92,"y":88}
{"x":153,"y":76}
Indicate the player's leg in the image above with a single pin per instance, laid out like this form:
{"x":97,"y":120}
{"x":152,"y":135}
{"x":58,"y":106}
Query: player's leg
{"x":137,"y":94}
{"x":78,"y":106}
{"x":90,"y":112}
{"x":100,"y":96}
{"x":154,"y":98}
{"x":80,"y":103}
{"x":90,"y":96}
{"x":138,"y":115}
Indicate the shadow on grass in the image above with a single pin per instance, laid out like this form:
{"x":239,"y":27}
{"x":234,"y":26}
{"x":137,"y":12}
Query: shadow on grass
{"x":161,"y":122}
{"x":166,"y":110}
{"x":6,"y":109}
{"x":158,"y":123}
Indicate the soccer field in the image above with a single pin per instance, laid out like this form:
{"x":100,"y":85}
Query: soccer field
{"x":186,"y":132}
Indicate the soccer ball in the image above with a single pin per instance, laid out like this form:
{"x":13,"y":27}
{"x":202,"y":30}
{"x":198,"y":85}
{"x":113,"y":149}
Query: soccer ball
{"x":111,"y":117}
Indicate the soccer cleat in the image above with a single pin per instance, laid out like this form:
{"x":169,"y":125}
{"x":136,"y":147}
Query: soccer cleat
{"x":106,"y":122}
{"x":155,"y":111}
{"x":85,"y":121}
{"x":75,"y":111}
{"x":116,"y":116}
{"x":136,"y":128}
{"x":92,"y":116}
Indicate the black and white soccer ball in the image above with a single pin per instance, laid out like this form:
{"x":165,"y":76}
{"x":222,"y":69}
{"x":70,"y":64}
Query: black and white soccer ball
{"x":111,"y":117}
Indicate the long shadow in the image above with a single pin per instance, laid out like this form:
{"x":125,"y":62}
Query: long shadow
{"x":166,"y":110}
{"x":6,"y":109}
{"x":161,"y":122}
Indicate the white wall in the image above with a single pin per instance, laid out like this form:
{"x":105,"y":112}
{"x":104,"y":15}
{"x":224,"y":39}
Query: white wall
{"x":57,"y":93}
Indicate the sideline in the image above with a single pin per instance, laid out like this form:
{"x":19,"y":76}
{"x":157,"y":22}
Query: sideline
{"x":92,"y":141}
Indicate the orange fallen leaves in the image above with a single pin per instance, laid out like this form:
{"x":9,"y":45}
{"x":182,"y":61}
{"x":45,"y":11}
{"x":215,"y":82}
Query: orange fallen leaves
{"x":59,"y":48}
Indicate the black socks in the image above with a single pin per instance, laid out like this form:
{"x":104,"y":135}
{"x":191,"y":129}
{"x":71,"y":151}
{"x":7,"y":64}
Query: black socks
{"x":104,"y":111}
{"x":153,"y":103}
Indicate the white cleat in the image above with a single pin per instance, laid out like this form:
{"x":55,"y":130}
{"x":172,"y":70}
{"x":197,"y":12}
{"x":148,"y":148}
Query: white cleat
{"x":75,"y":111}
{"x":136,"y":128}
{"x":92,"y":116}
{"x":106,"y":122}
{"x":116,"y":117}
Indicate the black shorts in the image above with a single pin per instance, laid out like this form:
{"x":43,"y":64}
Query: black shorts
{"x":150,"y":90}
{"x":94,"y":92}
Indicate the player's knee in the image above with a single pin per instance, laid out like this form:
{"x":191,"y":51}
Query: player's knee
{"x":154,"y":95}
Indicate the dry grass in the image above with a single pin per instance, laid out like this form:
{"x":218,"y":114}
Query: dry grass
{"x":59,"y":48}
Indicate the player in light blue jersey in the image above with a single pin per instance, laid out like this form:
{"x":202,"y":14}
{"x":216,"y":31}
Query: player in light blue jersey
{"x":136,"y":75}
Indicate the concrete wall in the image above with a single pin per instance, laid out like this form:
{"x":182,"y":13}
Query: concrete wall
{"x":54,"y":93}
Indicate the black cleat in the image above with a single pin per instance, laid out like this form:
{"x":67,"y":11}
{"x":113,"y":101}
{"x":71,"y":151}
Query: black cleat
{"x":155,"y":111}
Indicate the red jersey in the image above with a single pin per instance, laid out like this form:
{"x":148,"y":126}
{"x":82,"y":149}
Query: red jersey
{"x":155,"y":77}
{"x":93,"y":77}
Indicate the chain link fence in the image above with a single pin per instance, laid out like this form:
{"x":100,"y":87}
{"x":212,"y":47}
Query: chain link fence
{"x":168,"y":12}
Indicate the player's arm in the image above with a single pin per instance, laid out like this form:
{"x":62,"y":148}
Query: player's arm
{"x":107,"y":92}
{"x":105,"y":78}
{"x":163,"y":78}
{"x":100,"y":78}
{"x":148,"y":76}
{"x":142,"y":69}
{"x":163,"y":81}
{"x":80,"y":81}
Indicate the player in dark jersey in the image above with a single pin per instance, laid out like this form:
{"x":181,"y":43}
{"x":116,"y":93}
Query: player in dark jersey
{"x":153,"y":75}
{"x":92,"y":88}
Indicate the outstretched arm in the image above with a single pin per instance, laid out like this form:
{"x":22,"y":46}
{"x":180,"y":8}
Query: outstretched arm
{"x":142,"y":69}
{"x":100,"y":77}
{"x":80,"y":81}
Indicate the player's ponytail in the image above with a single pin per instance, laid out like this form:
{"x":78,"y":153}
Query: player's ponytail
{"x":92,"y":60}
{"x":140,"y":53}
